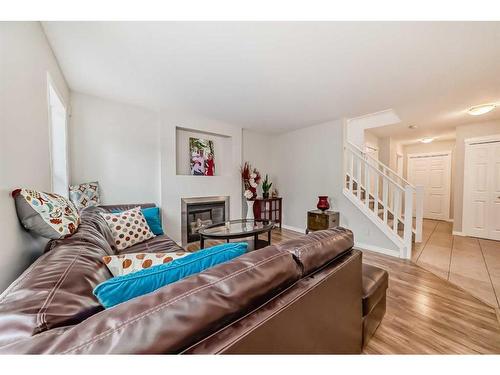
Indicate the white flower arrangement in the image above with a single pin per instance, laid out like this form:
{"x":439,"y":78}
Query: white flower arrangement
{"x":248,"y":194}
{"x":253,"y":183}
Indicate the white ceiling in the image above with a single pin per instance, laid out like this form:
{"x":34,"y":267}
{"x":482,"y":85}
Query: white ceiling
{"x":276,"y":76}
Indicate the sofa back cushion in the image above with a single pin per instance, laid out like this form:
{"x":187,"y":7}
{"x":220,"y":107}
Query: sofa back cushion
{"x":318,"y":248}
{"x":56,"y":290}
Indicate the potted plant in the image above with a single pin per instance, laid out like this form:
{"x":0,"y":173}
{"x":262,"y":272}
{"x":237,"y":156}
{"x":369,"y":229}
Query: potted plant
{"x":266,"y":186}
{"x":251,"y":178}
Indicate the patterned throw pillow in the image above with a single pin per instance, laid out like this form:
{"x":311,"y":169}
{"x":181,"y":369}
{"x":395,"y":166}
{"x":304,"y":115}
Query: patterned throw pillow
{"x":127,"y":263}
{"x":128,"y":227}
{"x":47,"y":214}
{"x":85,"y":195}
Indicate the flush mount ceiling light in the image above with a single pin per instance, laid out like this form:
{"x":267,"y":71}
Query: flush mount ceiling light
{"x":412,"y":127}
{"x":481,"y":109}
{"x":426,"y":140}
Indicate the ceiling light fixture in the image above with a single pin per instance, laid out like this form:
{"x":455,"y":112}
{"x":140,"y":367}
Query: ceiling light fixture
{"x":481,"y":109}
{"x":413,"y":127}
{"x":426,"y":140}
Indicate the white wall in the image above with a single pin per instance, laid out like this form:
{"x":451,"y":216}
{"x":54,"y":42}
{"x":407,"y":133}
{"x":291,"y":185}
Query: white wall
{"x":371,"y":140}
{"x":308,"y":164}
{"x":258,"y":150}
{"x":26,"y":57}
{"x":357,"y":126}
{"x":472,"y":130}
{"x":174,"y":186}
{"x":118,"y":145}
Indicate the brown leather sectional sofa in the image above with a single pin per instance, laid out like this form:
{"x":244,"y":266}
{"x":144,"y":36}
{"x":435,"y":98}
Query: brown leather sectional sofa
{"x":299,"y":296}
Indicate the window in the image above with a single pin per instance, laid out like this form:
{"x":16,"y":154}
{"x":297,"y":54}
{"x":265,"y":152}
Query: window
{"x":58,"y":142}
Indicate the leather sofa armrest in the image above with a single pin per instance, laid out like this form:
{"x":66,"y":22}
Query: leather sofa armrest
{"x":318,"y":248}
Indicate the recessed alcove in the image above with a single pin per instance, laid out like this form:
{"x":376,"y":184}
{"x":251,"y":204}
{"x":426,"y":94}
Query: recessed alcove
{"x":223,"y":149}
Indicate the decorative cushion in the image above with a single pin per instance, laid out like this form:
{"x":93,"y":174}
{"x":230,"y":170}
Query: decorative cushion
{"x":46,"y":214}
{"x":84,"y":195}
{"x":124,"y":264}
{"x":153,"y":218}
{"x":128,"y":228}
{"x":123,"y":288}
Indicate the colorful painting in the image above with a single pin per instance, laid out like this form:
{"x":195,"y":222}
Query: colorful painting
{"x":202,"y":157}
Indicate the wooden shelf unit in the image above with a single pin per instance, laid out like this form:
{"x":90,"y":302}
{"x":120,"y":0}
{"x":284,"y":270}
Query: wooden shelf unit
{"x":270,"y":209}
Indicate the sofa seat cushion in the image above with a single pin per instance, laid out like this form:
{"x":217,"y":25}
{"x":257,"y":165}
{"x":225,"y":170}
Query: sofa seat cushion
{"x":123,"y":288}
{"x":375,"y":284}
{"x":158,"y":244}
{"x":318,"y":248}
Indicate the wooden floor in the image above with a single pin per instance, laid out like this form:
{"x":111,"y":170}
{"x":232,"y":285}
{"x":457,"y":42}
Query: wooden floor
{"x":425,"y":313}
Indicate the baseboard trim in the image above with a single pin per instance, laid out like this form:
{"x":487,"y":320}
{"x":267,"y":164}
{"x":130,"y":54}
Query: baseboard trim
{"x":376,"y":249}
{"x":295,"y":229}
{"x":457,"y":233}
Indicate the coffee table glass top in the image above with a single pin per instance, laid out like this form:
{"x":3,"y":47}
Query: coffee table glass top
{"x":236,"y":228}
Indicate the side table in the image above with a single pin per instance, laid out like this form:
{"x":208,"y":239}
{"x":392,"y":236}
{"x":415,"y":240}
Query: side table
{"x":320,"y":220}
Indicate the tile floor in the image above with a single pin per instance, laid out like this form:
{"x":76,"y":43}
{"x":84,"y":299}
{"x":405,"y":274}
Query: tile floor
{"x":470,"y":263}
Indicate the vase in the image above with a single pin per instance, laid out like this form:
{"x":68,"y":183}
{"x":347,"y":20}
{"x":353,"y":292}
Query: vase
{"x":250,"y":210}
{"x":323,"y":204}
{"x":265,"y":195}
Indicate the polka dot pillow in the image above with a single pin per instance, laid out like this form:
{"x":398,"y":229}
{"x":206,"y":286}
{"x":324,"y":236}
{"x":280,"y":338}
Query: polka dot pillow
{"x":124,"y":264}
{"x":128,"y":227}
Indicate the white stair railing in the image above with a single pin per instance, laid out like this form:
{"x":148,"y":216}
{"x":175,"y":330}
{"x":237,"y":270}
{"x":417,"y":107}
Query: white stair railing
{"x":388,"y":199}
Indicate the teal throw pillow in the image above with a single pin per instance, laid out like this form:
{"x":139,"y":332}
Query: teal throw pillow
{"x":123,"y":288}
{"x":152,"y":216}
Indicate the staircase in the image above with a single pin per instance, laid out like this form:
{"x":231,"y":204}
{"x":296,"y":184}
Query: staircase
{"x":387,"y":199}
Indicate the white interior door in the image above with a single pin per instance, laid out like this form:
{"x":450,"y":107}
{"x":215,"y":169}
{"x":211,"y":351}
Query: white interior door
{"x":481,"y":208}
{"x":494,"y":219}
{"x":433,"y":172}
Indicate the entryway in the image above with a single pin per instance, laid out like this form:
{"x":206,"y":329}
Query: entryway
{"x":471,"y":263}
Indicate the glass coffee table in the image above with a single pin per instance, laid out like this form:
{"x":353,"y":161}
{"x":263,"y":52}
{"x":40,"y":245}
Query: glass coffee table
{"x":237,"y":229}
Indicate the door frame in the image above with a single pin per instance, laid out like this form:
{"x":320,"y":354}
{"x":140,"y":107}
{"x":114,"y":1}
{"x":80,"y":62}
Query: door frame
{"x":468,"y":142}
{"x":434,"y":153}
{"x":400,"y":156}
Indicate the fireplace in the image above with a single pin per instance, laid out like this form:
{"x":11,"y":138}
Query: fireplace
{"x":200,"y":211}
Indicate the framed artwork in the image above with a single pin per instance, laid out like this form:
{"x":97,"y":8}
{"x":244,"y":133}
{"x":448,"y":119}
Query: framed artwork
{"x":202,"y":157}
